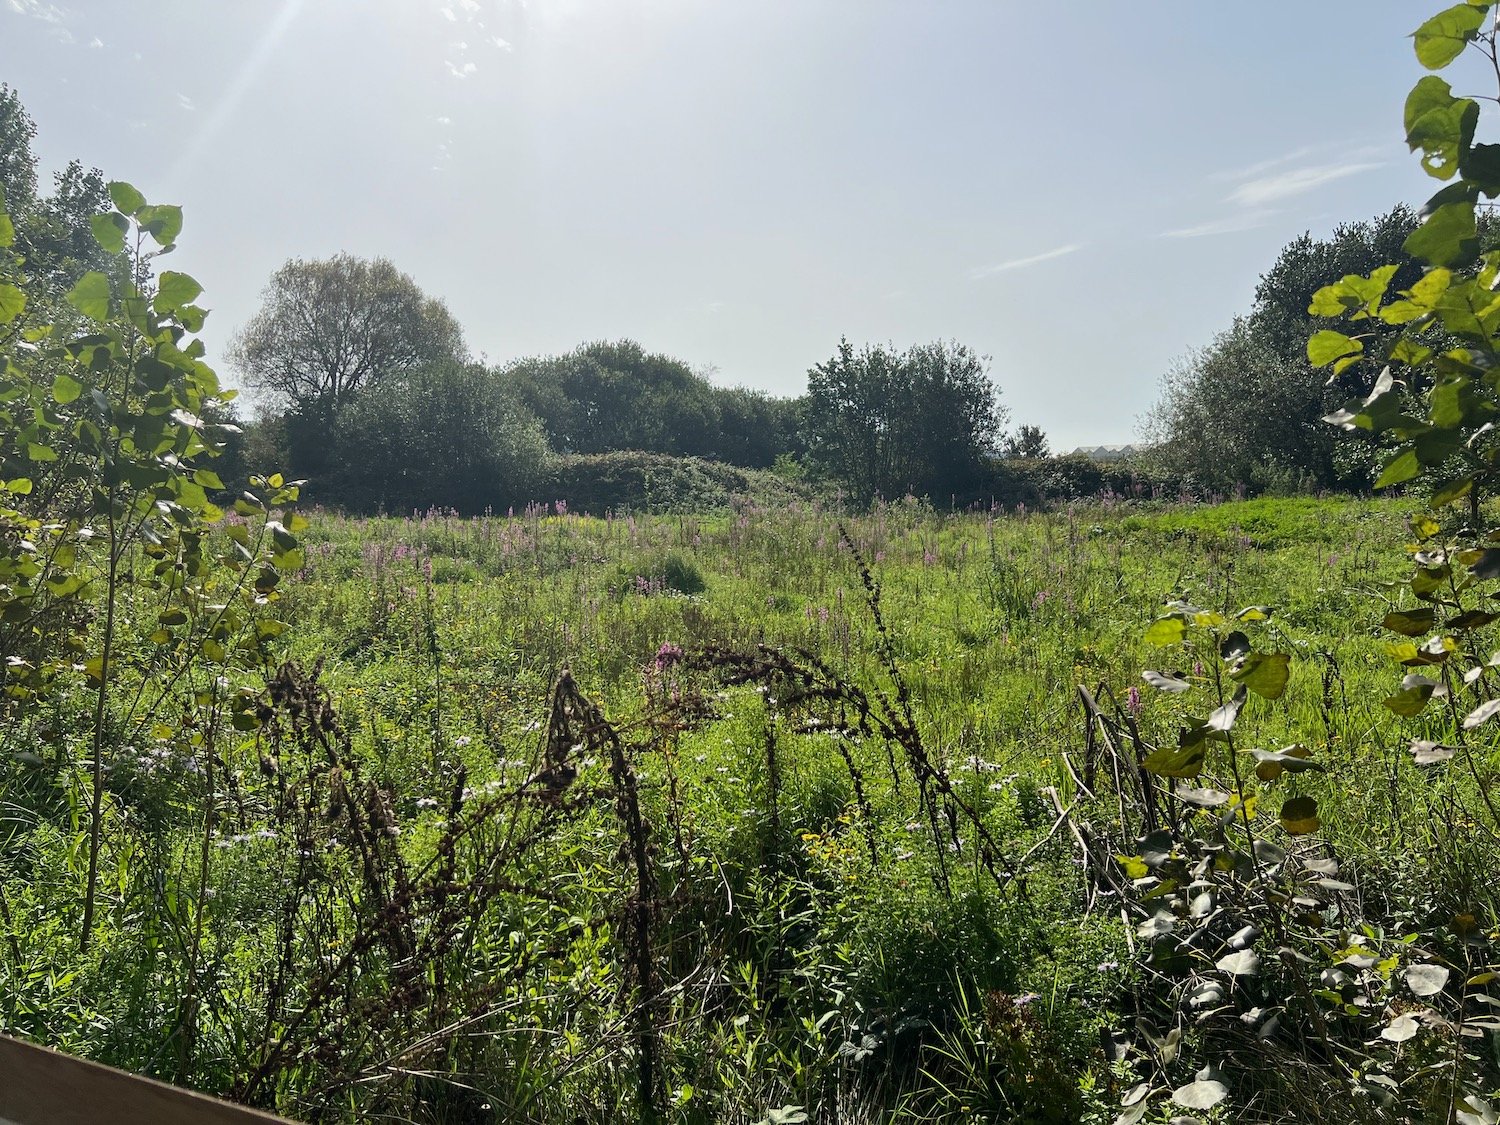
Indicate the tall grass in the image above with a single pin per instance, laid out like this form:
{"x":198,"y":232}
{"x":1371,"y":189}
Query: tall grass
{"x":705,"y":818}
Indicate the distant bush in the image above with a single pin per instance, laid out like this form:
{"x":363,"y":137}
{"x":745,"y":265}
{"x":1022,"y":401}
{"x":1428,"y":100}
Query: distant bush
{"x":654,"y":482}
{"x":1037,"y":482}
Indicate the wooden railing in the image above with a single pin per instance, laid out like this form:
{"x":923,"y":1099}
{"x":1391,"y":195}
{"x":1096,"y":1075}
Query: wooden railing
{"x":40,"y":1086}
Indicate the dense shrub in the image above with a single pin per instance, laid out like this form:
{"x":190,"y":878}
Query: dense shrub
{"x":1037,"y":482}
{"x":653,"y":482}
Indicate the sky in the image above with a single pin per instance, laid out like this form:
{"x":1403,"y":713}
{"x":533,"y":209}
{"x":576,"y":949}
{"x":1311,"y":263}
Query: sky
{"x":1084,"y":192}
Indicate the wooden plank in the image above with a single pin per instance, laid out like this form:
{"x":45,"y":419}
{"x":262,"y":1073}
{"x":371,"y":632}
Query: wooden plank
{"x":40,"y":1086}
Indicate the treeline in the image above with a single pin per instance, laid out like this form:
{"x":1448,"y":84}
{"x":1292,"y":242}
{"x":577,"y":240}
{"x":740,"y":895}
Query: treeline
{"x":1248,"y":410}
{"x":364,"y":385}
{"x":370,"y":393}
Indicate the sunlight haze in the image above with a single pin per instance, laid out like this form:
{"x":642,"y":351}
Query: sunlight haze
{"x":1084,"y":192}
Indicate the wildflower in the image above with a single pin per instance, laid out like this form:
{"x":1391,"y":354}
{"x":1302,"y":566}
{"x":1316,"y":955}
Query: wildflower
{"x":1133,"y":700}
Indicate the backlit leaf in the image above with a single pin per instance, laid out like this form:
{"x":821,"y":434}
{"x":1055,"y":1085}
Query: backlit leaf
{"x":162,"y":221}
{"x":1399,"y":469}
{"x":1328,"y":346}
{"x":1299,"y":816}
{"x":1443,"y":37}
{"x":12,"y":303}
{"x":65,"y":388}
{"x":1166,"y":631}
{"x":175,"y":290}
{"x":125,"y":197}
{"x":1264,"y":673}
{"x":1447,"y":236}
{"x":91,"y":296}
{"x":110,"y":229}
{"x":1410,"y":622}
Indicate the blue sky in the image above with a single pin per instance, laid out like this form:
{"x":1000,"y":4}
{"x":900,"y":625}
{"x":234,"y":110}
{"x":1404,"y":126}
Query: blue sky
{"x":1083,"y":191}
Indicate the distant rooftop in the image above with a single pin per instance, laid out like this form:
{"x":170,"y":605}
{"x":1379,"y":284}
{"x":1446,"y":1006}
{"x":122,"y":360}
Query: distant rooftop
{"x":1106,"y":452}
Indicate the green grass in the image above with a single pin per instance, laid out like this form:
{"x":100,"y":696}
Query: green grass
{"x":815,"y":943}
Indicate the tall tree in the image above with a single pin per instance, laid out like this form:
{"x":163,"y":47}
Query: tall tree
{"x":1248,"y":408}
{"x":1238,"y":412}
{"x":884,"y":423}
{"x":450,"y":435}
{"x":328,"y":328}
{"x":610,"y":395}
{"x":52,"y":232}
{"x":1280,"y":314}
{"x":1028,"y":443}
{"x":17,"y":160}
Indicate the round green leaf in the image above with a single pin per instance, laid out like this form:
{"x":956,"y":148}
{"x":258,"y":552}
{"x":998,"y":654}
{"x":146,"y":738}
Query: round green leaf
{"x":125,"y":197}
{"x":1410,"y":622}
{"x":110,"y":229}
{"x":162,"y":221}
{"x":1328,"y":346}
{"x":1176,"y":761}
{"x":12,"y":303}
{"x":91,"y":296}
{"x":1443,"y":38}
{"x":1166,"y":630}
{"x":1446,"y":237}
{"x":175,"y":290}
{"x":1264,"y":673}
{"x":65,"y":388}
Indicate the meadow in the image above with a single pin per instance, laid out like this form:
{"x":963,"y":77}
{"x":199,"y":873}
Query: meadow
{"x":784,"y":814}
{"x":778,"y":815}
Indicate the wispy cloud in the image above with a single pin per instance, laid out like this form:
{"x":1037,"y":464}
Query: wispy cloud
{"x":978,"y":273}
{"x":1261,"y":167}
{"x":1247,"y":220}
{"x":186,"y":102}
{"x":54,"y":17}
{"x":38,"y":10}
{"x":1276,"y":179}
{"x":1296,"y":181}
{"x":458,"y":71}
